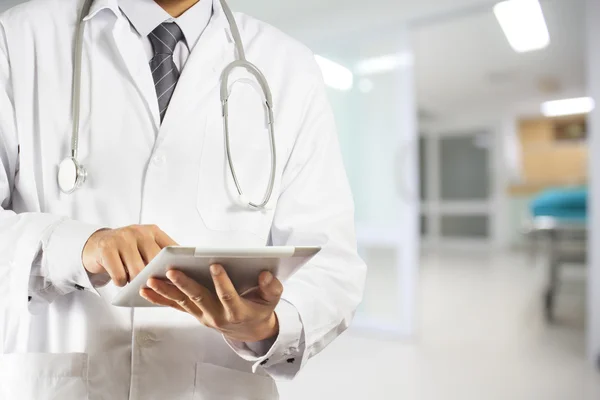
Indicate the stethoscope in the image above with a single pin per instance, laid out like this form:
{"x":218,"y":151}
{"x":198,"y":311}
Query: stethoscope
{"x":72,"y":175}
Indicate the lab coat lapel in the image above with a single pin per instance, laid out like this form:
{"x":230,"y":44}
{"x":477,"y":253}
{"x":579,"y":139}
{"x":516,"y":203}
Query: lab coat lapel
{"x":135,"y":60}
{"x":201,"y":74}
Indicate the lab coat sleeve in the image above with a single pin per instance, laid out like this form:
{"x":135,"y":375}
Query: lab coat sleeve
{"x":315,"y":208}
{"x":37,"y":250}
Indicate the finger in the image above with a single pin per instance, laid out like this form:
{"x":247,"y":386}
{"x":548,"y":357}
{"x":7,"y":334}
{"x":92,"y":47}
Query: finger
{"x":159,"y":300}
{"x":111,"y":262}
{"x":148,"y":250}
{"x":270,"y":288}
{"x":132,"y":260}
{"x":163,"y":240}
{"x":226,"y":292}
{"x":175,"y":295}
{"x":201,"y":296}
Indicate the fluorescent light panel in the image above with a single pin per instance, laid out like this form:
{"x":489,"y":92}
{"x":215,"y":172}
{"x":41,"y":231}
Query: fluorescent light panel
{"x":557,"y":108}
{"x":523,"y":24}
{"x":383,"y":64}
{"x":335,"y":75}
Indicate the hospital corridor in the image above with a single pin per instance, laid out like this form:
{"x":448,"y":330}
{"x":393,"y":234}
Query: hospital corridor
{"x":481,"y":336}
{"x":299,"y":200}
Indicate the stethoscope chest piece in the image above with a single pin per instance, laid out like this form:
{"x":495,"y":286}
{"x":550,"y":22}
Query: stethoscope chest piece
{"x":71,"y":175}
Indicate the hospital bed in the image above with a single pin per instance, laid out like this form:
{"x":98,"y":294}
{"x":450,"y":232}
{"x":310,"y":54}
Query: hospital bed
{"x":558,"y":230}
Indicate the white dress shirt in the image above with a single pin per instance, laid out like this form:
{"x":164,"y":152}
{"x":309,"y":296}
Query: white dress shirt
{"x":147,"y":15}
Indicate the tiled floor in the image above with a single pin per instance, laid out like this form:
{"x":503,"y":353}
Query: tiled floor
{"x":481,"y":338}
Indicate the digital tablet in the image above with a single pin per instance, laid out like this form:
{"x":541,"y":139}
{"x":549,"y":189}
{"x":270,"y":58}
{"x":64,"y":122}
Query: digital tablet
{"x":243,"y":265}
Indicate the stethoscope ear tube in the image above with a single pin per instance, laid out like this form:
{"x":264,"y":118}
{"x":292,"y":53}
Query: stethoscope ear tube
{"x":225,"y":91}
{"x":72,"y":175}
{"x":68,"y":180}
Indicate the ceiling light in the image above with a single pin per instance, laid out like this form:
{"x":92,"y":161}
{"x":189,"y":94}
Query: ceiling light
{"x":335,"y":75}
{"x":523,"y":24}
{"x":383,"y":64}
{"x":557,"y":108}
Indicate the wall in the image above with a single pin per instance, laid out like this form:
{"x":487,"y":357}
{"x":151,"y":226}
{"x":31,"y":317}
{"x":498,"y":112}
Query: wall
{"x":593,"y":37}
{"x":547,"y":161}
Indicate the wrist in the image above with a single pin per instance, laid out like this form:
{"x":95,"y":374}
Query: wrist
{"x":87,"y":253}
{"x":266,"y":330}
{"x":272,"y":327}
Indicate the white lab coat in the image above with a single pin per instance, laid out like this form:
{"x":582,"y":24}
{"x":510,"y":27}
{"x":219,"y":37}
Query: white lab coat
{"x":68,"y":342}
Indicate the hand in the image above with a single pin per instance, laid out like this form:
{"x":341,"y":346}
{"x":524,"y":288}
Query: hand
{"x":248,"y":318}
{"x":124,"y":252}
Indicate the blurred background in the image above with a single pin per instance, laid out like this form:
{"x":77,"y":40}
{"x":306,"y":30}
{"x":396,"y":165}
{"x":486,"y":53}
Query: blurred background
{"x":472,"y":186}
{"x":468,"y":129}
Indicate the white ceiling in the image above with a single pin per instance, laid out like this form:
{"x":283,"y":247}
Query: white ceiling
{"x":467,"y":62}
{"x":345,"y":26}
{"x":463,"y":60}
{"x":331,"y":18}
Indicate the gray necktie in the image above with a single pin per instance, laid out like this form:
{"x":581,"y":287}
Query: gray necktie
{"x":164,"y":71}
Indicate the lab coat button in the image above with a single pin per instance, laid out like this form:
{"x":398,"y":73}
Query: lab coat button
{"x":145,"y":340}
{"x":264,"y":362}
{"x":158,"y":160}
{"x":291,"y":360}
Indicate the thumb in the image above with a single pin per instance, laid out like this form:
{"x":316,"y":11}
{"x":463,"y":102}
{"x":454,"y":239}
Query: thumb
{"x":163,"y":240}
{"x":270,"y":288}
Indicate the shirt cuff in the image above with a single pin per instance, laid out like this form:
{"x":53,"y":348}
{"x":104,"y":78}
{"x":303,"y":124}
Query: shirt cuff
{"x":285,"y":348}
{"x":62,"y":258}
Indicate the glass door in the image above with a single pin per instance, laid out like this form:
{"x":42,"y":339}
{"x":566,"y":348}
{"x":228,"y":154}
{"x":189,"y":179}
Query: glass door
{"x":377,"y":125}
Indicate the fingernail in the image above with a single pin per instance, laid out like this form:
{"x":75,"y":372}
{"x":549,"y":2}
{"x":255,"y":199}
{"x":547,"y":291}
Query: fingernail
{"x":172,"y":275}
{"x":268,"y":279}
{"x":216,"y":270}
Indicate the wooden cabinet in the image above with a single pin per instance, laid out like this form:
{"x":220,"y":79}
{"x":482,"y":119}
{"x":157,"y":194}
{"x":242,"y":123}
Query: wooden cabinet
{"x":554,"y":153}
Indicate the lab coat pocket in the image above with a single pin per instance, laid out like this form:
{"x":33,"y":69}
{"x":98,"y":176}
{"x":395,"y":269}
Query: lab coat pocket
{"x":249,"y":140}
{"x":44,"y":376}
{"x":219,"y":383}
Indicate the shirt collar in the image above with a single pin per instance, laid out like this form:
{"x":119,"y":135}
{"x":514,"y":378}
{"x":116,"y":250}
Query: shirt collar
{"x":99,"y":5}
{"x":147,"y":15}
{"x":195,"y":20}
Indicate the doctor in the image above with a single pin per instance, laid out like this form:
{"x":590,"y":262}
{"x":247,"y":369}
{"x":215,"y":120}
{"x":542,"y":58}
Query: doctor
{"x":113,"y":145}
